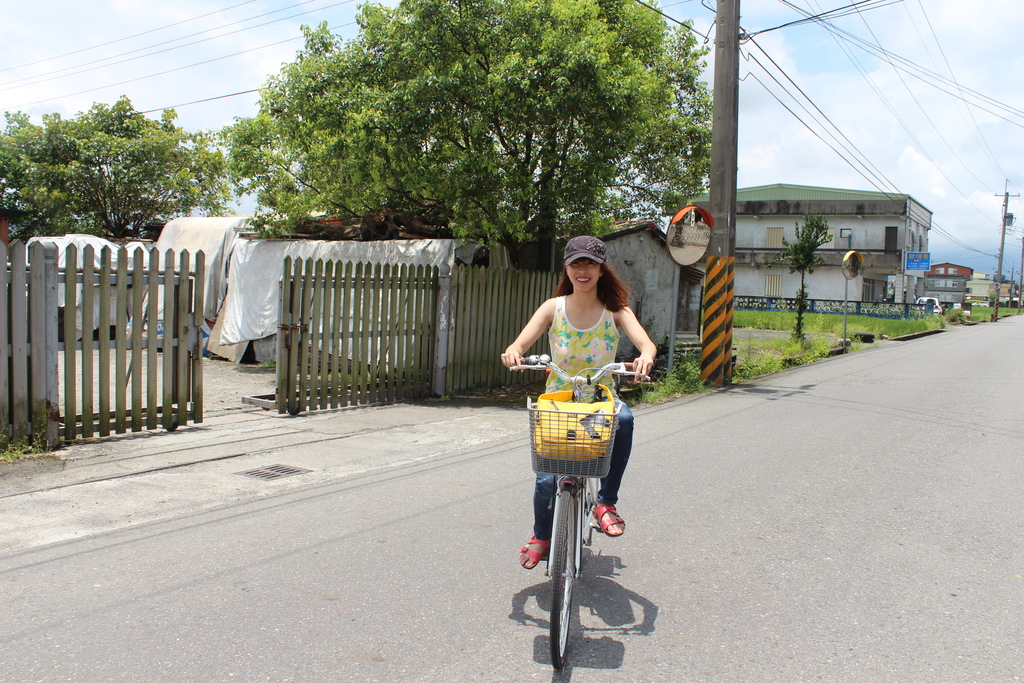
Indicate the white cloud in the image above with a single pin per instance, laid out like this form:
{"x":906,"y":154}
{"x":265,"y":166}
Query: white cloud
{"x":904,"y":129}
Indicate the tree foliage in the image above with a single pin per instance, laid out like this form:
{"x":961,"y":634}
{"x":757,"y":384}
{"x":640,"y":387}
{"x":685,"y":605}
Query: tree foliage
{"x":802,"y":258}
{"x":109,"y":171}
{"x":513,"y":119}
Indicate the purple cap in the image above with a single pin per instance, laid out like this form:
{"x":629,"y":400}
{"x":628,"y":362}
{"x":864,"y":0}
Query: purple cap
{"x":584,"y":246}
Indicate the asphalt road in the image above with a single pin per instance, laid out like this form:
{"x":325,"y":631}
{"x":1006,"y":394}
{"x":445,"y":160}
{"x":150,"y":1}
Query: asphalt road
{"x":858,"y":519}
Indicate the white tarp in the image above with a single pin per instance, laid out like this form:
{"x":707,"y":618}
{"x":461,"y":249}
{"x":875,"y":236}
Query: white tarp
{"x":215,"y":237}
{"x":97,"y":243}
{"x":82,"y":241}
{"x":250,"y":310}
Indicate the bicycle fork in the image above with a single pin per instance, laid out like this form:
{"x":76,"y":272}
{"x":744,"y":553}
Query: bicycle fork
{"x":583,"y":494}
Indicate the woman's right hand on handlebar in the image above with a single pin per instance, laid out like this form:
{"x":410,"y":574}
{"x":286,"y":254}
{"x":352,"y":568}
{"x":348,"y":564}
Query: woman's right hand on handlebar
{"x":511,"y":358}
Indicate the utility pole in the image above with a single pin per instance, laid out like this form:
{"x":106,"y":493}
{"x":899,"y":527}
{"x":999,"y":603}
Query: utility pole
{"x":1020,"y":283}
{"x":1002,"y":242}
{"x":716,"y":331}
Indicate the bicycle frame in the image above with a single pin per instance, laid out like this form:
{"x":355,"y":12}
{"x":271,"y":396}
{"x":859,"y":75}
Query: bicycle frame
{"x":574,"y":527}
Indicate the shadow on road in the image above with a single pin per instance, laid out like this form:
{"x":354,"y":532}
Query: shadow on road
{"x":772,"y":393}
{"x":603,"y":608}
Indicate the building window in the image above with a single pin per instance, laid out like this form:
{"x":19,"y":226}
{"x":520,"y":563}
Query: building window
{"x":773,"y":238}
{"x":773,"y":284}
{"x":891,"y":233}
{"x":940,"y":271}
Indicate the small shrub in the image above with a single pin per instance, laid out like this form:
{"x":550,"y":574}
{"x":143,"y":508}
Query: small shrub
{"x":956,"y":316}
{"x":684,"y":379}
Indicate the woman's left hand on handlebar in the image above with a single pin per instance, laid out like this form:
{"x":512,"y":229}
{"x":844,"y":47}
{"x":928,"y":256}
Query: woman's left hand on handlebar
{"x":642,"y":367}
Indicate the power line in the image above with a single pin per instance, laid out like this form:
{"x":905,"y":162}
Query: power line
{"x":840,"y":144}
{"x":927,"y":118}
{"x":925,"y":75}
{"x":855,"y":8}
{"x":849,"y":162}
{"x":168,"y":71}
{"x":861,"y":165}
{"x":888,"y":57}
{"x":975,"y":129}
{"x":246,"y":92}
{"x":208,"y":99}
{"x":109,"y":63}
{"x":673,"y":19}
{"x":119,"y":40}
{"x":848,"y":145}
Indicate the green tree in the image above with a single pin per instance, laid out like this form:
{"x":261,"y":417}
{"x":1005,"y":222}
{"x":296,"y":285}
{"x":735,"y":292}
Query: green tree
{"x":801,"y":257}
{"x":109,"y":171}
{"x":12,"y":175}
{"x":513,"y":119}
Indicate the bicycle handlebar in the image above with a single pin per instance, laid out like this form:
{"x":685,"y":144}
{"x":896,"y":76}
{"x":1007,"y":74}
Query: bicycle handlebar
{"x":543,"y":362}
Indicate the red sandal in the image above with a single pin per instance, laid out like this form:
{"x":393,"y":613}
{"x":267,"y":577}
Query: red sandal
{"x":600,"y":511}
{"x":533,"y":555}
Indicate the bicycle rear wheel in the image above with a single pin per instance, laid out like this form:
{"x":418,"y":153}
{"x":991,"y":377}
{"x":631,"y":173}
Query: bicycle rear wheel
{"x":562,"y":569}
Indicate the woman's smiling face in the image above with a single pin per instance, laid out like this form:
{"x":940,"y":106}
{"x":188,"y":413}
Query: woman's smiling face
{"x":584,"y":272}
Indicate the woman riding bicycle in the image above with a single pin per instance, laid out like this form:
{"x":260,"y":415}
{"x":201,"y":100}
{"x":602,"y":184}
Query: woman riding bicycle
{"x":583,"y":319}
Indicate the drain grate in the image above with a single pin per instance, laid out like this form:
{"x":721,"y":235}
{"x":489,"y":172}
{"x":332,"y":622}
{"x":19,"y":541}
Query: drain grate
{"x":273,"y":472}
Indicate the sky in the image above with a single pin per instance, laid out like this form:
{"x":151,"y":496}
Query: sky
{"x":919,"y":97}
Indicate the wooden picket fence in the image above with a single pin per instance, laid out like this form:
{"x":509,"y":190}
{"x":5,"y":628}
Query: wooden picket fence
{"x":359,"y":333}
{"x":354,"y":333}
{"x":108,"y":360}
{"x":119,"y":349}
{"x":490,"y":306}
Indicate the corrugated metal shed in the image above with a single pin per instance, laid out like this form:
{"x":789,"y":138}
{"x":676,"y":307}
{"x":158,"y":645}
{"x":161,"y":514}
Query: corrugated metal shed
{"x":806,"y":193}
{"x":796,"y":200}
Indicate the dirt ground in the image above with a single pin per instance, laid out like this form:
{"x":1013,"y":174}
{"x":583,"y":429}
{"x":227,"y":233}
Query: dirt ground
{"x":226,"y":383}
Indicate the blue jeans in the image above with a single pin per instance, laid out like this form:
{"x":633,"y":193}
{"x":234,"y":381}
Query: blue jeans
{"x":608,"y":494}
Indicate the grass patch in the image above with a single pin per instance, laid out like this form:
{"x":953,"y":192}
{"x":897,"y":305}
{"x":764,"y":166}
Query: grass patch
{"x":830,"y":323}
{"x":983,"y":314}
{"x":684,"y":379}
{"x":755,"y":358}
{"x":18,"y":450}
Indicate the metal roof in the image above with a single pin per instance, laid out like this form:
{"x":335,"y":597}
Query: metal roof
{"x":804,"y":193}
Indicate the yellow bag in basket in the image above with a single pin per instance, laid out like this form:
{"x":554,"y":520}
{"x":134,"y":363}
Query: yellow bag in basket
{"x":565,"y":429}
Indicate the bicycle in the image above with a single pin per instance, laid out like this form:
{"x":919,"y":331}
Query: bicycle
{"x":571,"y":437}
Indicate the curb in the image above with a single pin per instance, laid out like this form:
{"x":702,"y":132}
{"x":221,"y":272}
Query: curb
{"x":916,"y":335}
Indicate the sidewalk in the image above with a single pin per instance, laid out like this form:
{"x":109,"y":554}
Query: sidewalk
{"x":121,"y":481}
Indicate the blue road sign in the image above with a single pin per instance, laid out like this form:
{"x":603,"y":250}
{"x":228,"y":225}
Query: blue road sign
{"x":918,"y":260}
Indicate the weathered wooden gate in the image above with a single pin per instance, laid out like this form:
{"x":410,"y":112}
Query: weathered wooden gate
{"x":118,"y":349}
{"x":354,"y":333}
{"x":489,"y":307}
{"x":362,"y":333}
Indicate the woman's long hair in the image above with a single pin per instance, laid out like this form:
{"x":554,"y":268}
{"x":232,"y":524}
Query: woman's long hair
{"x":612,"y":292}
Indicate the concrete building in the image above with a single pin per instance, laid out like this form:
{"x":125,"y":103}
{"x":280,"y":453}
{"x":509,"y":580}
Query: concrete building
{"x":641,"y":259}
{"x":947,"y":282}
{"x":979,"y":288}
{"x":883,"y":227}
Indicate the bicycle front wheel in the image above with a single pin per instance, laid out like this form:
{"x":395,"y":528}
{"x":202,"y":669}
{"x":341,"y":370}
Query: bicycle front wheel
{"x":562,"y":569}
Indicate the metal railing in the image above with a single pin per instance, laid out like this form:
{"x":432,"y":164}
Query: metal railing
{"x":874,"y":309}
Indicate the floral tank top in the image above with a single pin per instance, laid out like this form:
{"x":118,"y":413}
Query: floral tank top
{"x":575,"y":350}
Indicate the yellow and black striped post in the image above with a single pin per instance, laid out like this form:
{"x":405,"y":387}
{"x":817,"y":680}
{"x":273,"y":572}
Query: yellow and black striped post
{"x":716,"y":334}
